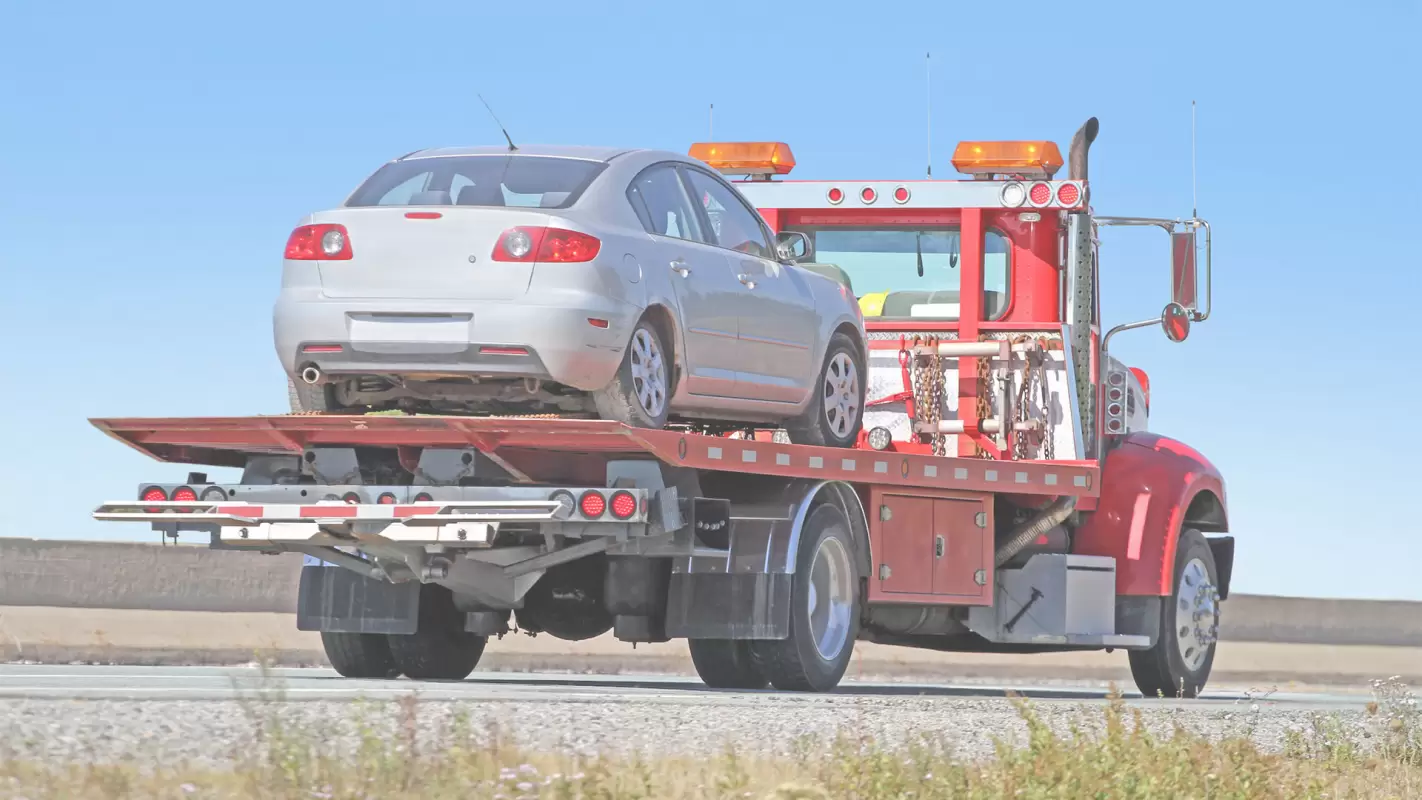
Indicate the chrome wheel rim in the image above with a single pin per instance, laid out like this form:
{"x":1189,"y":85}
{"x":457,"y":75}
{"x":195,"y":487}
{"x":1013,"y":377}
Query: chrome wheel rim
{"x":841,"y":394}
{"x":1197,"y":614}
{"x":831,"y":602}
{"x":649,"y":373}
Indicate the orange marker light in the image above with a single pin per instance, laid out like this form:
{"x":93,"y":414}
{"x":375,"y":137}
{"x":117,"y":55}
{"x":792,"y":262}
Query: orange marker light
{"x":746,"y":158}
{"x":1028,"y":159}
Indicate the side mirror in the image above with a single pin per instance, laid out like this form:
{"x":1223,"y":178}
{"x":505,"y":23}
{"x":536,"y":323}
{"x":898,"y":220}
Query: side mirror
{"x":794,"y":246}
{"x":1176,"y":322}
{"x":1183,"y":278}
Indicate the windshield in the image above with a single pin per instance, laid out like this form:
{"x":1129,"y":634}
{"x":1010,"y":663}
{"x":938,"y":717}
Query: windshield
{"x":900,"y":273}
{"x":492,"y":180}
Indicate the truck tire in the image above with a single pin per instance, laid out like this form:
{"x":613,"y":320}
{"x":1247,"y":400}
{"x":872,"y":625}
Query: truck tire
{"x":305,"y":398}
{"x":726,"y":663}
{"x":360,"y":655}
{"x":440,"y":649}
{"x":1179,"y":663}
{"x":836,"y":410}
{"x":824,"y":609}
{"x":640,"y":394}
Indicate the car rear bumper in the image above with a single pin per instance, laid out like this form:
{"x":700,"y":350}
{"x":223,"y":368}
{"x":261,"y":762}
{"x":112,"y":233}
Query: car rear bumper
{"x":560,"y":343}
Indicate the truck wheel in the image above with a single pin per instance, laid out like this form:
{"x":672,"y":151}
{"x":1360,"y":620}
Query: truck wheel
{"x":640,"y":395}
{"x":1179,"y":663}
{"x":359,"y":655}
{"x":726,"y":663}
{"x":836,"y":410}
{"x":824,"y":609}
{"x":440,"y":649}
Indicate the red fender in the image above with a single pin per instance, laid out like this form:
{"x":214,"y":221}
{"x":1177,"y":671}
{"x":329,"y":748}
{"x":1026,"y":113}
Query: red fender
{"x":1149,"y":484}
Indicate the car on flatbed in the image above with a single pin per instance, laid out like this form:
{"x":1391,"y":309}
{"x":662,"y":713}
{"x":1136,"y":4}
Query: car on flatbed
{"x":632,"y":285}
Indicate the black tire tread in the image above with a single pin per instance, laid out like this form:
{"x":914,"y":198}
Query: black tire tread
{"x":727,"y":663}
{"x":1160,"y":671}
{"x":360,"y":655}
{"x":307,"y":399}
{"x":440,"y":649}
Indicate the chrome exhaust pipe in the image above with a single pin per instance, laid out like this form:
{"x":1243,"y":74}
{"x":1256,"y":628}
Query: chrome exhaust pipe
{"x":311,"y":375}
{"x":1080,"y":144}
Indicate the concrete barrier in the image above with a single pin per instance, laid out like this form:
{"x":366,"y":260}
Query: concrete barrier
{"x":112,"y":575}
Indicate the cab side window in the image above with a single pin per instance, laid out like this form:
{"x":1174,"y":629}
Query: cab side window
{"x":661,"y":203}
{"x":734,"y":225}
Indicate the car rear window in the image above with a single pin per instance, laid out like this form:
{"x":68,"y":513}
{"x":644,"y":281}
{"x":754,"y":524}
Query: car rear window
{"x":492,"y":180}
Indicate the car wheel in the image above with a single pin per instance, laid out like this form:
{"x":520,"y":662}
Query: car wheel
{"x":640,"y":395}
{"x":836,"y":410}
{"x":1179,"y":663}
{"x":824,"y":609}
{"x":306,"y":399}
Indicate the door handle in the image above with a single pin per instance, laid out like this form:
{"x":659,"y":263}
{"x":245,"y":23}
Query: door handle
{"x":938,"y":547}
{"x":679,"y":267}
{"x":746,"y":279}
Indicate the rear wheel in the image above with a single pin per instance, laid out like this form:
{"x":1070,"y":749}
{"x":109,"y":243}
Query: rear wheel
{"x":726,"y":663}
{"x":305,"y":398}
{"x":836,"y":410}
{"x":824,"y":609}
{"x":440,"y":649}
{"x":359,"y":655}
{"x":1179,"y":663}
{"x":640,"y":394}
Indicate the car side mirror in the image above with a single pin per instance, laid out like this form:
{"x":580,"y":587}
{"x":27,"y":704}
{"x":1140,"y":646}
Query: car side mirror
{"x":1176,"y":322}
{"x":794,"y":246}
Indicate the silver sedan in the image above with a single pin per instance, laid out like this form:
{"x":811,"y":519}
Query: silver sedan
{"x":634,"y":285}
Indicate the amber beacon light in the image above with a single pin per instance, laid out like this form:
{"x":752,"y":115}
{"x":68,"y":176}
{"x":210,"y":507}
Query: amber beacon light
{"x":746,"y":158}
{"x":1027,"y":159}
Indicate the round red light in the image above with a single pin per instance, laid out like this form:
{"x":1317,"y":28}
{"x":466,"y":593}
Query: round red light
{"x":901,"y":194}
{"x":868,"y":195}
{"x":835,"y":195}
{"x":592,"y":504}
{"x":351,"y":498}
{"x":624,"y":505}
{"x":1114,"y":409}
{"x":423,"y":497}
{"x":184,"y":493}
{"x":1068,"y":195}
{"x":153,"y":494}
{"x":1113,"y":394}
{"x":1041,"y":194}
{"x":386,"y":499}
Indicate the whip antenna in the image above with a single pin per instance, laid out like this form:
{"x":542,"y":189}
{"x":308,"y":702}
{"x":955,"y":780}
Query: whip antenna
{"x":502,"y":129}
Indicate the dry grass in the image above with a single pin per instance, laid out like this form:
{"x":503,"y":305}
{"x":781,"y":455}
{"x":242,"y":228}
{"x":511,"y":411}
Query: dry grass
{"x":1117,"y":758}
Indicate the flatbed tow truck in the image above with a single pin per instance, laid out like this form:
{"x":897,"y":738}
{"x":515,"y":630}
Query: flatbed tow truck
{"x":1004,"y":496}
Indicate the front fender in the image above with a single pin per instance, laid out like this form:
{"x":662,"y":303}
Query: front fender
{"x":1151,"y":486}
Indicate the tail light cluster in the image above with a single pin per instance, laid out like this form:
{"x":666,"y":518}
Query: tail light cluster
{"x":325,"y":242}
{"x":620,"y":505}
{"x":526,"y":244}
{"x":1041,"y":194}
{"x":181,"y":494}
{"x":1115,"y":402}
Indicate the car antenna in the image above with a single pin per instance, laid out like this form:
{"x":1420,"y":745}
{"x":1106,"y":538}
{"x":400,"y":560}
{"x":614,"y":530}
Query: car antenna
{"x":928,"y":95}
{"x":512,"y":147}
{"x":1194,"y":184}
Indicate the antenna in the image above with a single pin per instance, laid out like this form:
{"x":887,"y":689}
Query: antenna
{"x":928,"y":74}
{"x":711,"y":124}
{"x":1194,"y":185}
{"x":502,"y":129}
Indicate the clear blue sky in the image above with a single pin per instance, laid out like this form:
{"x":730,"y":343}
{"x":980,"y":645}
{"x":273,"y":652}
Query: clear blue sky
{"x":155,"y":156}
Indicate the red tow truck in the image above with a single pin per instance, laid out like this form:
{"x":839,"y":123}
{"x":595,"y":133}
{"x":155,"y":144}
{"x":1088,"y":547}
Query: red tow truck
{"x":1005,"y":496}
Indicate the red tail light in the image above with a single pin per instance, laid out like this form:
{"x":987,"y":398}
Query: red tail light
{"x":184,"y":493}
{"x":527,"y":244}
{"x":1068,"y":195}
{"x":624,"y":505}
{"x":153,"y":494}
{"x":1040,"y":194}
{"x":319,"y":243}
{"x":592,"y":504}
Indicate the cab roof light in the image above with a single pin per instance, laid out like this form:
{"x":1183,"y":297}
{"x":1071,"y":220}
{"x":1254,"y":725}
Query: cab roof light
{"x":1026,"y":159}
{"x":746,"y":158}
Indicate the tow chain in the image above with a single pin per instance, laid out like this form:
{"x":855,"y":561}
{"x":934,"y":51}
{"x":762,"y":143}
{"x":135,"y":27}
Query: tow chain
{"x":984,"y":389}
{"x":1033,"y":376}
{"x":928,"y":389}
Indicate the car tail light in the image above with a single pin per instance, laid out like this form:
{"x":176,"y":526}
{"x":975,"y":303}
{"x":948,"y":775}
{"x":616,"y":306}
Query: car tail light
{"x":553,"y":245}
{"x":1040,"y":194}
{"x":1068,"y":194}
{"x":324,"y":242}
{"x":624,"y":505}
{"x":592,"y":504}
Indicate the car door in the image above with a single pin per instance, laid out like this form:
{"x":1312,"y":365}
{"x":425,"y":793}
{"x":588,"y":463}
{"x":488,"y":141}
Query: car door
{"x":778,"y":321}
{"x":705,"y":286}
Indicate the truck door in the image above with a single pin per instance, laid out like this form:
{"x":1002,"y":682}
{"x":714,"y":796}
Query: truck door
{"x":703,"y":281}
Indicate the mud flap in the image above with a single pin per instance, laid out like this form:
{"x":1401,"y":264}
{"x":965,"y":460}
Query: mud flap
{"x":338,"y":600}
{"x":720,"y":606}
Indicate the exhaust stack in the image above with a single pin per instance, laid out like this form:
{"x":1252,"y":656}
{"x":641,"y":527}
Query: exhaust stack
{"x":1080,"y":144}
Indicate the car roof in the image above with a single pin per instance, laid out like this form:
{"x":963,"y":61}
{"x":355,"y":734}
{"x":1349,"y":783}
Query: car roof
{"x":590,"y":153}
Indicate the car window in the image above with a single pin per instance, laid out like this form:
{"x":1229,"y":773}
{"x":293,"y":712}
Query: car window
{"x":482,"y":180}
{"x":660,"y":201}
{"x":734,"y":226}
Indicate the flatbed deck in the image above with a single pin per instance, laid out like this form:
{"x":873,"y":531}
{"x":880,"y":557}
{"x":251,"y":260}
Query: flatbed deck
{"x":537,"y":446}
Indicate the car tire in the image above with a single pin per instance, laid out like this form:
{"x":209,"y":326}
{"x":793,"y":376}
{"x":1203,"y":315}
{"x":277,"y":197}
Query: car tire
{"x":308,"y":399}
{"x":727,"y":663}
{"x":439,"y":649}
{"x":1180,"y":661}
{"x":640,"y":394}
{"x":835,"y":414}
{"x":359,"y":655}
{"x":824,"y":609}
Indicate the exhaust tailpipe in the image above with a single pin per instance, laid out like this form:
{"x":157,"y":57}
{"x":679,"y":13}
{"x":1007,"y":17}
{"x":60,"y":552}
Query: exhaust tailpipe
{"x":1080,"y":144}
{"x":311,"y":375}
